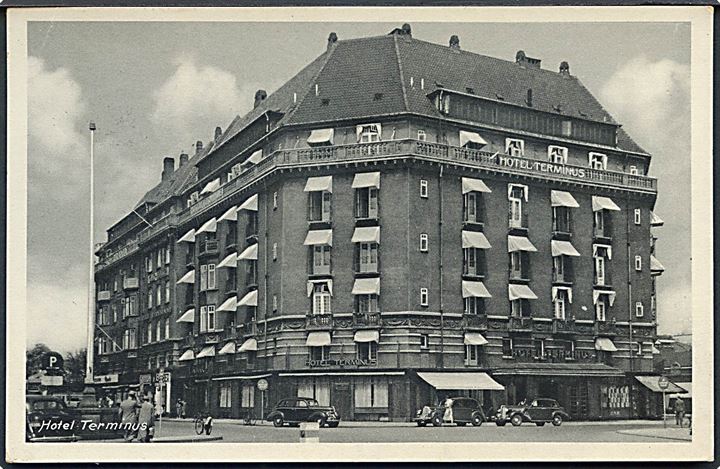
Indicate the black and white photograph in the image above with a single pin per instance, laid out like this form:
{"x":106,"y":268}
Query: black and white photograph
{"x":359,"y":234}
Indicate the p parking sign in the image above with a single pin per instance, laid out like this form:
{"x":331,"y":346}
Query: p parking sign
{"x":52,"y":361}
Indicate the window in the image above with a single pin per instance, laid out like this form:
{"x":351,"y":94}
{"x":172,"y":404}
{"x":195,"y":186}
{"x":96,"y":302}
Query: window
{"x":167,"y":328}
{"x":203,"y":277}
{"x":167,"y":255}
{"x":515,"y":147}
{"x":320,"y":206}
{"x":560,"y":303}
{"x":423,"y":188}
{"x":473,"y":262}
{"x":424,"y":341}
{"x":516,"y":308}
{"x":569,"y":349}
{"x":167,"y":291}
{"x":474,"y":305}
{"x":367,"y":351}
{"x":275,"y":200}
{"x":321,"y":300}
{"x":366,"y":304}
{"x":560,"y":273}
{"x":516,"y":195}
{"x":274,"y":303}
{"x":160,"y":257}
{"x":369,"y":133}
{"x":472,"y":207}
{"x":558,"y":155}
{"x":423,"y":242}
{"x":274,"y":251}
{"x":601,"y":225}
{"x":516,"y":265}
{"x":211,"y":317}
{"x":150,"y":297}
{"x":638,"y":263}
{"x":320,"y":259}
{"x":424,"y":297}
{"x":203,"y":319}
{"x":366,"y":202}
{"x":566,"y":128}
{"x":148,"y":264}
{"x":158,"y":331}
{"x":597,"y":160}
{"x":601,"y":308}
{"x":471,"y":354}
{"x":149,"y":333}
{"x":561,"y":219}
{"x":225,"y":395}
{"x":421,"y":135}
{"x":247,"y":397}
{"x":637,"y":216}
{"x":367,"y":260}
{"x":639,"y":310}
{"x":319,"y":353}
{"x":158,"y":295}
{"x":114,"y":313}
{"x":212,"y":280}
{"x":371,"y":392}
{"x":633,"y":170}
{"x":599,"y":269}
{"x":507,"y":347}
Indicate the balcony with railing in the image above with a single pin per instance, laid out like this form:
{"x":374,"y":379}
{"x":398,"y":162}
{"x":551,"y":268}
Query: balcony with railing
{"x":104,"y":295}
{"x":208,"y":247}
{"x":131,"y":283}
{"x":366,"y":320}
{"x":475,"y":321}
{"x":319,"y":322}
{"x":605,"y":328}
{"x":564,"y":326}
{"x":520,"y":324}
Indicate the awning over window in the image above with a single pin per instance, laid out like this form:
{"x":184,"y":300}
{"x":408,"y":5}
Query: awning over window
{"x":318,"y":237}
{"x":603,"y":203}
{"x":210,"y":226}
{"x":362,"y":180}
{"x":318,"y":339}
{"x":471,"y":137}
{"x":687,"y":388}
{"x":188,"y":237}
{"x":211,"y":186}
{"x":651,"y":382}
{"x":187,"y":355}
{"x":320,"y":136}
{"x":474,"y":185}
{"x":474,"y":338}
{"x":250,"y":299}
{"x":230,"y":214}
{"x":250,"y":253}
{"x":229,"y":305}
{"x":655,"y":266}
{"x":474,"y":289}
{"x":568,"y":290}
{"x":446,"y":380}
{"x":188,"y":316}
{"x":655,"y":350}
{"x":604,"y":344}
{"x":230,"y":261}
{"x":366,"y":286}
{"x":520,"y":243}
{"x":250,"y":345}
{"x":311,"y":285}
{"x":320,"y":183}
{"x":474,"y":239}
{"x":255,"y":158}
{"x":520,"y":292}
{"x":610,"y":294}
{"x":655,"y":220}
{"x":187,"y":278}
{"x":251,"y":203}
{"x":227,"y":349}
{"x":207,"y":351}
{"x":368,"y":234}
{"x":367,"y":336}
{"x":563,"y":199}
{"x":607,"y":248}
{"x":563,"y":248}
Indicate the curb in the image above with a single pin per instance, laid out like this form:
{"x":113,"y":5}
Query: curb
{"x":636,"y":433}
{"x":188,"y":439}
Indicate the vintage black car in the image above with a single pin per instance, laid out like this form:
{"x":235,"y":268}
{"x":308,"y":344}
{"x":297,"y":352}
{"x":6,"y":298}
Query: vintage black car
{"x":464,"y":410}
{"x":538,"y":411}
{"x":48,"y":418}
{"x":302,"y":409}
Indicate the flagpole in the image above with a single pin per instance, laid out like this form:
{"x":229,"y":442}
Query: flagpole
{"x":90,"y":352}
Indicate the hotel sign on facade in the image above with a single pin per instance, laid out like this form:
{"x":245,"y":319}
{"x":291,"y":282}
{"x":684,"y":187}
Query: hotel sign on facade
{"x":541,"y":167}
{"x":340,"y":362}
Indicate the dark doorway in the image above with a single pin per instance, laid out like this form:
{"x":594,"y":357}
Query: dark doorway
{"x":341,"y":398}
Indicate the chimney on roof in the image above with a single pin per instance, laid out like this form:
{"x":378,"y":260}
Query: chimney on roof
{"x":454,"y":42}
{"x":564,"y":68}
{"x":525,"y":61}
{"x":218,"y":133}
{"x":183,"y":159}
{"x":405,"y":30}
{"x":198,"y":146}
{"x":168,"y":167}
{"x":332,"y":39}
{"x":260,"y":96}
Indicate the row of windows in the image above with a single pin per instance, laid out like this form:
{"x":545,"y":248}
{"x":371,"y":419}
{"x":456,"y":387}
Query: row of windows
{"x":155,"y":294}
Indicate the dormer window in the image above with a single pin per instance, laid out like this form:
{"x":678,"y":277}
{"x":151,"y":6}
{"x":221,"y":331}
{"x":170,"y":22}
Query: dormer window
{"x":597,"y":160}
{"x":566,"y":128}
{"x":369,"y":133}
{"x":515,"y":147}
{"x":557,"y":154}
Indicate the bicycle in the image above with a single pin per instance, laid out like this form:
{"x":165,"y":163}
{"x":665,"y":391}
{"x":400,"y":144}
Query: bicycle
{"x":249,"y":418}
{"x":203,"y":423}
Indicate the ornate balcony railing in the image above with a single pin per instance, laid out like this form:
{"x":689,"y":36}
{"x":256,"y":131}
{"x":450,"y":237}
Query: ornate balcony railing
{"x":131,"y":283}
{"x":367,"y":320}
{"x":104,"y":295}
{"x":319,"y":321}
{"x":605,"y":328}
{"x":564,"y":326}
{"x":475,"y":321}
{"x":520,"y":324}
{"x":208,"y":247}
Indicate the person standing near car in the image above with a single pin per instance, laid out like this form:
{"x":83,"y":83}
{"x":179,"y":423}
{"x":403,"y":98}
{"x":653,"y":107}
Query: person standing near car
{"x":448,"y":410}
{"x":128,"y":415}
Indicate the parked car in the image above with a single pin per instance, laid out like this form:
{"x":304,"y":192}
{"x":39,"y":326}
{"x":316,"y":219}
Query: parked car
{"x":48,"y":418}
{"x":539,"y":411}
{"x":303,"y":409}
{"x":464,"y":409}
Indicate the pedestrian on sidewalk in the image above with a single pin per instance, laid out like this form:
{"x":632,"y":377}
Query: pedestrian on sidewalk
{"x":679,"y":411}
{"x":448,"y":410}
{"x":128,"y":416}
{"x":146,"y":421}
{"x":178,"y":408}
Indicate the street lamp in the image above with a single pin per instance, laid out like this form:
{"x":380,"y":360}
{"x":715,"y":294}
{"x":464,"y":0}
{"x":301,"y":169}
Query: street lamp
{"x":90,"y":354}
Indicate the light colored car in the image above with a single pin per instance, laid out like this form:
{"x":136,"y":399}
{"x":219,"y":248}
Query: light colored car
{"x":540,"y":411}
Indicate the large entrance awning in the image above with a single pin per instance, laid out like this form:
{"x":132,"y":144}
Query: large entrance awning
{"x":685,"y":395}
{"x":651,"y":382}
{"x":590,"y":370}
{"x":456,"y":381}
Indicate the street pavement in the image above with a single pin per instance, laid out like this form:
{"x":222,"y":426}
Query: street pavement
{"x":383,"y":432}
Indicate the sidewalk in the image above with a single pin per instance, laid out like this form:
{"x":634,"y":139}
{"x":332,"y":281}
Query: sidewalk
{"x":670,"y":433}
{"x":186,"y":439}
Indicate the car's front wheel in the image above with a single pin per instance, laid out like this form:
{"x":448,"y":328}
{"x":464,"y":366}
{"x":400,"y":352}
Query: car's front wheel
{"x":437,"y":421}
{"x":516,"y":420}
{"x":477,"y":420}
{"x":557,"y":420}
{"x":278,"y":421}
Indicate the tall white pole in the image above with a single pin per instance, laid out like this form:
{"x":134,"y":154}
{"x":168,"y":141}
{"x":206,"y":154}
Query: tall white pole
{"x":90,"y":354}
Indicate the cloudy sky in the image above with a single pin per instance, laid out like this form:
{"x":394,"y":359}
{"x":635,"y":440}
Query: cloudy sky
{"x":155,"y":88}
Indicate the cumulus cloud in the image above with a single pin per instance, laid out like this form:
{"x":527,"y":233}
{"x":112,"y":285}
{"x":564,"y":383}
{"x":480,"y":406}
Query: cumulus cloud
{"x":196,"y":98}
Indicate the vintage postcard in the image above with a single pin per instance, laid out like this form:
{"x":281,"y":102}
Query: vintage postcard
{"x":360,"y":234}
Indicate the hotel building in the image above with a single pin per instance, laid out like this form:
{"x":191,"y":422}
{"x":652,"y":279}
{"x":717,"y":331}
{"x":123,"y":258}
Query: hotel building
{"x":398,"y":222}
